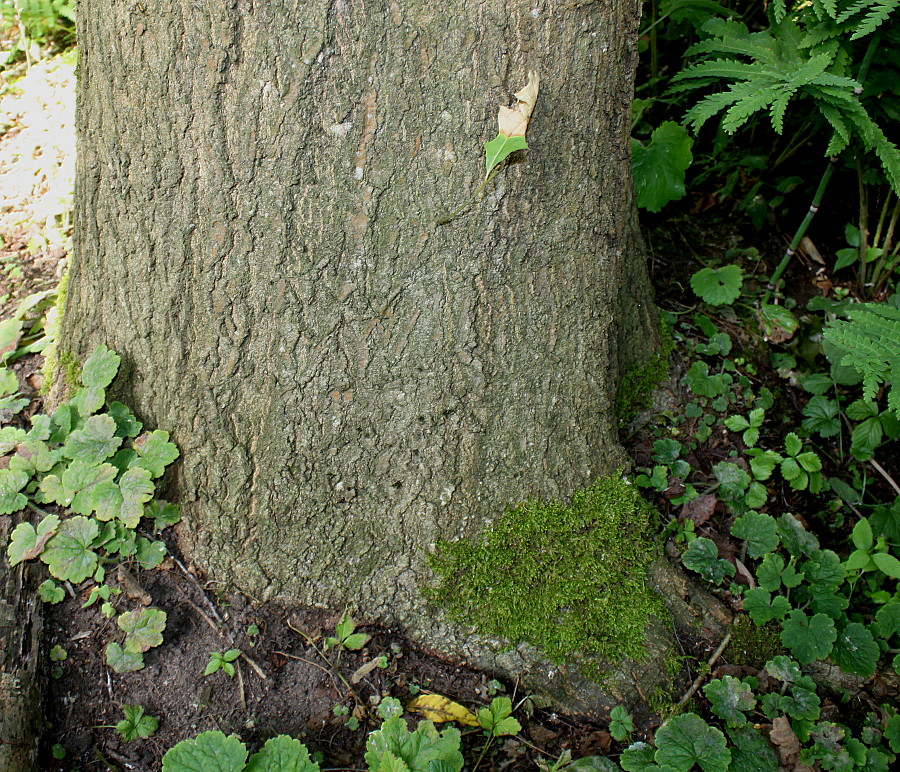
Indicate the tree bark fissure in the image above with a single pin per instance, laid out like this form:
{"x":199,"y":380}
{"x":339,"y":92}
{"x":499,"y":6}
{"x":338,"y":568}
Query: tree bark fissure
{"x":257,"y":189}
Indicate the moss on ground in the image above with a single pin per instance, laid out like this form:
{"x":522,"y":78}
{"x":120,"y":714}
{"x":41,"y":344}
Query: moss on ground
{"x":635,"y":390}
{"x":567,"y":578}
{"x":753,"y":646}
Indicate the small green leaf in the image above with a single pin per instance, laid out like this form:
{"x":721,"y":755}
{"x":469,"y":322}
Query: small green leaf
{"x":759,"y":530}
{"x":231,"y":655}
{"x":26,"y":543}
{"x":751,"y":752}
{"x":862,"y":535}
{"x":356,"y":641}
{"x":94,"y":443}
{"x":620,"y":723}
{"x":777,"y":322}
{"x":50,"y":592}
{"x":687,"y":740}
{"x":126,"y":424}
{"x":163,"y":513}
{"x":123,"y":661}
{"x":702,"y":556}
{"x":155,"y":452}
{"x":887,"y":564}
{"x":763,"y":608}
{"x":136,"y":725}
{"x":496,"y":718}
{"x":137,"y":489}
{"x":207,"y":752}
{"x":100,"y":368}
{"x":783,"y":668}
{"x":68,"y":554}
{"x":149,"y":553}
{"x":855,"y":651}
{"x":498,"y":149}
{"x":143,"y":629}
{"x":658,"y":167}
{"x":728,"y":697}
{"x":808,"y":638}
{"x":282,"y":754}
{"x":718,"y":286}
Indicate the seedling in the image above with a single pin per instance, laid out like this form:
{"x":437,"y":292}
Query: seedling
{"x":223,"y":662}
{"x":345,"y":637}
{"x":136,"y":725}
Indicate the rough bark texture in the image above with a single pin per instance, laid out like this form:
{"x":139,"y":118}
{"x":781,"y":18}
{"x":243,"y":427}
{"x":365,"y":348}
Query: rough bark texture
{"x":258,"y":183}
{"x":22,"y":664}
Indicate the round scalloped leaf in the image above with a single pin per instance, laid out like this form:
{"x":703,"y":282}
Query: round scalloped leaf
{"x":41,"y":425}
{"x":759,"y":531}
{"x":163,"y":513}
{"x":751,"y":752}
{"x":26,"y":543}
{"x":887,"y":620}
{"x":728,"y":697}
{"x":88,"y":400}
{"x":783,"y":668}
{"x":106,"y":500}
{"x":100,"y":368}
{"x":137,"y":489}
{"x":143,"y":629}
{"x":149,"y":553}
{"x":68,"y":554}
{"x":207,"y":752}
{"x":126,"y":424}
{"x":637,"y":757}
{"x":95,"y":443}
{"x":123,"y":661}
{"x":702,"y":556}
{"x":282,"y":754}
{"x":855,"y":651}
{"x":808,"y":638}
{"x":658,"y":166}
{"x":54,"y":492}
{"x":718,"y":286}
{"x":10,"y":436}
{"x":37,"y":454}
{"x":11,"y":501}
{"x":796,"y":539}
{"x":687,"y":740}
{"x":50,"y":592}
{"x":155,"y":452}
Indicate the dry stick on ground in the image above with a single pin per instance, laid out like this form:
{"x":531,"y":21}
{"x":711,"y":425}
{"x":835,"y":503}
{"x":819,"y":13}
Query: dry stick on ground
{"x":883,"y":472}
{"x":702,"y":677}
{"x":328,"y":662}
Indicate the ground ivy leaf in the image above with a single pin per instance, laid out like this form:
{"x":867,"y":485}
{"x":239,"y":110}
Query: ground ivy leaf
{"x":728,"y":697}
{"x":658,"y":169}
{"x":282,"y":754}
{"x":149,"y":553}
{"x":751,"y":752}
{"x":50,"y":592}
{"x":796,"y":539}
{"x":143,"y":629}
{"x":762,"y":608}
{"x":825,"y":570}
{"x":783,"y":668}
{"x":27,"y":543}
{"x":760,"y":532}
{"x":123,"y":661}
{"x":126,"y":424}
{"x":855,"y":651}
{"x":10,"y":436}
{"x":54,"y":492}
{"x":155,"y":452}
{"x":499,"y":148}
{"x":163,"y":513}
{"x":637,"y":757}
{"x":136,"y":725}
{"x":68,"y":554}
{"x":808,"y":638}
{"x":101,"y":367}
{"x":887,"y":620}
{"x":88,"y":400}
{"x":106,"y":500}
{"x":95,"y":442}
{"x":824,"y":600}
{"x":702,"y":556}
{"x":207,"y":752}
{"x":800,"y":703}
{"x":137,"y":488}
{"x":417,"y":749}
{"x":687,"y":740}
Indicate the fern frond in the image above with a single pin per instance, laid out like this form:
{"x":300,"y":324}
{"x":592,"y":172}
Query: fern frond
{"x":777,"y":110}
{"x":779,"y":10}
{"x":706,"y":108}
{"x":870,"y":339}
{"x":752,"y":99}
{"x":841,"y":137}
{"x":720,"y":68}
{"x":875,"y":18}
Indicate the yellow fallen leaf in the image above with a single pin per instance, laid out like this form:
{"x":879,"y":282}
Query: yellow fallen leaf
{"x":437,"y":708}
{"x":513,"y":121}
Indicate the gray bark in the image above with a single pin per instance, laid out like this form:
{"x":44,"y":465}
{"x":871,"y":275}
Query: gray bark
{"x":257,"y":189}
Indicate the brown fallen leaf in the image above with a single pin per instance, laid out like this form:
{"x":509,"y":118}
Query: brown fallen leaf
{"x":785,"y":740}
{"x":363,"y":671}
{"x":513,"y":121}
{"x":437,"y":708}
{"x":39,"y":545}
{"x":700,"y":509}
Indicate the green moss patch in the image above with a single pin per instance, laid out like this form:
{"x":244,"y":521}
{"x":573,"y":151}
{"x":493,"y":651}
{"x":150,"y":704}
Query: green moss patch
{"x":567,"y":578}
{"x":635,"y":390}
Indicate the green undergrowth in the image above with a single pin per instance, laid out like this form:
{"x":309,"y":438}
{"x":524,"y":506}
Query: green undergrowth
{"x":635,"y":392}
{"x":567,"y":578}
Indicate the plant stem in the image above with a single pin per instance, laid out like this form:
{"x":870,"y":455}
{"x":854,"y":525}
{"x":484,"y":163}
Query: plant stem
{"x":471,"y":199}
{"x":801,"y":231}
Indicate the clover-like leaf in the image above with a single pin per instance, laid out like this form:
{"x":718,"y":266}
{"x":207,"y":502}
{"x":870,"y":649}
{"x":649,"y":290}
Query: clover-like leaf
{"x":207,"y":752}
{"x":137,"y":489}
{"x":702,"y":556}
{"x":620,"y":723}
{"x":50,"y":592}
{"x":100,"y":368}
{"x":822,"y":416}
{"x":760,"y":532}
{"x":143,"y":629}
{"x":496,"y":719}
{"x":136,"y":725}
{"x":762,"y":608}
{"x":123,"y":661}
{"x":808,"y":638}
{"x":68,"y":554}
{"x":282,"y":754}
{"x":26,"y":543}
{"x":155,"y":452}
{"x":728,"y":697}
{"x":687,"y":740}
{"x":855,"y":651}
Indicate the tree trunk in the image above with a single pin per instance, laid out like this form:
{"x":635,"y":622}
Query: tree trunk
{"x":257,"y":190}
{"x":22,"y":661}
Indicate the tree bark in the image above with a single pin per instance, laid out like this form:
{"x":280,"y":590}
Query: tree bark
{"x":22,"y":662}
{"x":257,"y":190}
